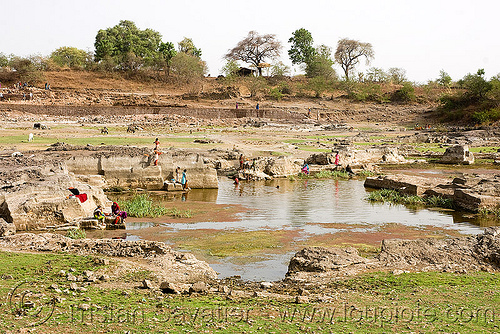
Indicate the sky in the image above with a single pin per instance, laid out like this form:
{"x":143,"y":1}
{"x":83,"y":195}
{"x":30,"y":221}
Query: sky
{"x":422,"y":37}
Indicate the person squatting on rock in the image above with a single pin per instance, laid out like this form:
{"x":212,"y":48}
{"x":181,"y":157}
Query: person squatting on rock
{"x":120,"y":215}
{"x":178,"y":175}
{"x":100,"y":216}
{"x":337,"y":159}
{"x":305,"y":169}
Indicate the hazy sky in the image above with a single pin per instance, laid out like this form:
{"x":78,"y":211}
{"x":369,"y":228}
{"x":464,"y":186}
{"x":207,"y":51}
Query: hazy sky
{"x":423,"y":37}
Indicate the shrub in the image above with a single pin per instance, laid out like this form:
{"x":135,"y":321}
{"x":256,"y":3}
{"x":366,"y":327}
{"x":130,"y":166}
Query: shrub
{"x":404,"y":94}
{"x":486,"y":116}
{"x":76,"y":234}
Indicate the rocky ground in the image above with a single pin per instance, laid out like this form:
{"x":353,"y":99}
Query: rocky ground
{"x":206,"y":131}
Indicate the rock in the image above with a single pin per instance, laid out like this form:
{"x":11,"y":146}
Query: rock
{"x":6,"y":228}
{"x":458,"y":154}
{"x":320,"y":259}
{"x":405,"y":184}
{"x":174,"y":288}
{"x":303,"y":292}
{"x":71,"y":278}
{"x":104,"y":262}
{"x":301,"y":300}
{"x":73,"y":286}
{"x":266,"y":285}
{"x":62,"y":273}
{"x":104,"y":278}
{"x":198,"y":287}
{"x":147,"y":284}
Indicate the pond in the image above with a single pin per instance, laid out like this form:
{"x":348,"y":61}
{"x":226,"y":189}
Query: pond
{"x":274,"y":219}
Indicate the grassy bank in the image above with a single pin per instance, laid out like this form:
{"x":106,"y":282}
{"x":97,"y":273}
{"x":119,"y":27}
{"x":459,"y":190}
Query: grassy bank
{"x":141,"y":205}
{"x":376,"y":303}
{"x":394,"y":197}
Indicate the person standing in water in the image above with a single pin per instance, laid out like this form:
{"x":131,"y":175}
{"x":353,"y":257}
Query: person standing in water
{"x":337,"y":159}
{"x":184,"y":180}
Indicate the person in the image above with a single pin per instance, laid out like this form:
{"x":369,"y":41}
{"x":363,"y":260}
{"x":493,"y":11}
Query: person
{"x":120,"y":215}
{"x":349,"y":171}
{"x":177,"y":174}
{"x":337,"y":159}
{"x":99,"y":215}
{"x":242,"y":160}
{"x":305,"y":169}
{"x":157,"y":143}
{"x":184,"y":180}
{"x":236,"y":181}
{"x":257,"y":106}
{"x":236,"y":105}
{"x":156,"y":157}
{"x":309,"y":113}
{"x":30,"y":137}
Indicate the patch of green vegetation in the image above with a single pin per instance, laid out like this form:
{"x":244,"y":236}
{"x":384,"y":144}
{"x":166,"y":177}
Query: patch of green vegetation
{"x":484,"y":149}
{"x":76,"y":234}
{"x":314,"y":149}
{"x":141,"y":205}
{"x":234,"y":243}
{"x":428,"y":302}
{"x":325,"y":174}
{"x":392,"y":196}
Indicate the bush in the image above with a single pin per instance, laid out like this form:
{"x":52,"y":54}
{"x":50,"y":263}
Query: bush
{"x":404,"y":94}
{"x":76,"y":234}
{"x":486,"y":116}
{"x":276,"y":93}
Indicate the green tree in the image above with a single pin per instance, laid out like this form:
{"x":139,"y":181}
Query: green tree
{"x":187,"y":46}
{"x":230,"y":69}
{"x":302,"y":50}
{"x":444,"y":79}
{"x":320,"y":65}
{"x":70,"y":57}
{"x":4,"y":60}
{"x":255,"y":48}
{"x":188,"y":67}
{"x":475,"y":84}
{"x":375,"y":74}
{"x":397,"y":75}
{"x":349,"y":52}
{"x":167,"y":53}
{"x":125,"y":42}
{"x":27,"y":69}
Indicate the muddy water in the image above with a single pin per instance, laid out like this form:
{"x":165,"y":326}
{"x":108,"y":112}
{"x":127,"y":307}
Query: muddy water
{"x":294,"y":214}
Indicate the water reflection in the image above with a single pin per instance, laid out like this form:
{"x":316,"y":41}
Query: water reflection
{"x":307,"y":207}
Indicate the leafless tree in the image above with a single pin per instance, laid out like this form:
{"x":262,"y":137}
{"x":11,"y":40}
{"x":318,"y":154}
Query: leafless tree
{"x":349,"y":53}
{"x":255,"y":48}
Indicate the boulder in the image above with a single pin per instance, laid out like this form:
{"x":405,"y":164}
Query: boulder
{"x":6,"y":229}
{"x":458,"y":154}
{"x":405,"y":184}
{"x":320,"y":259}
{"x":35,"y":203}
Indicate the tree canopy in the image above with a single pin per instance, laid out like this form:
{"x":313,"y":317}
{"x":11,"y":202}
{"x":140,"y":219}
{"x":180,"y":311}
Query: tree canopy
{"x":349,"y":52}
{"x":255,"y":48}
{"x":125,"y":44}
{"x":302,"y":50}
{"x":70,"y":57}
{"x":187,"y":46}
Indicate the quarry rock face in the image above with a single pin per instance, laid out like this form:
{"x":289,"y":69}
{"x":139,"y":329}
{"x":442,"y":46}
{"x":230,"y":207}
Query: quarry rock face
{"x":140,"y":171}
{"x":34,"y":203}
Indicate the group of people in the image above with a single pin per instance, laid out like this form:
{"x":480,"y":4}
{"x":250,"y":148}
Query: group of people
{"x":179,"y":178}
{"x":305,"y":167}
{"x":116,"y":213}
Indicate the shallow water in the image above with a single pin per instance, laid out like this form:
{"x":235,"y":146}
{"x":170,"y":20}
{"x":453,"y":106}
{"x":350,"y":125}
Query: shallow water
{"x":308,"y":207}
